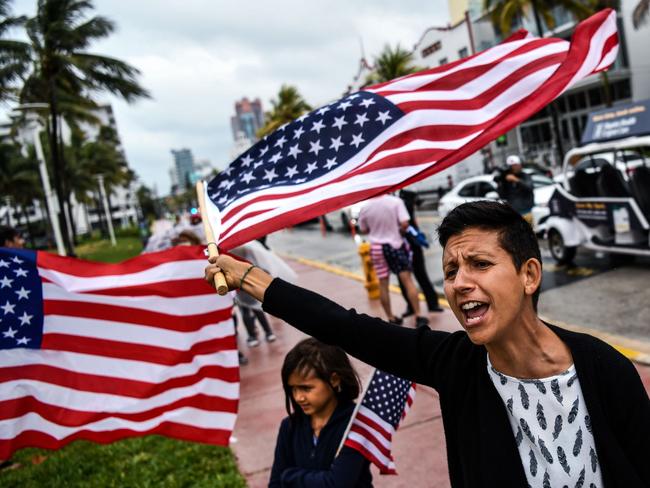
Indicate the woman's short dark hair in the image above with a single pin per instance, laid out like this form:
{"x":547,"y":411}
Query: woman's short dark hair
{"x":516,"y":236}
{"x":324,"y":360}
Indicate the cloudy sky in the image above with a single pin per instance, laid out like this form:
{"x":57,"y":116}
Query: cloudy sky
{"x":198,"y":56}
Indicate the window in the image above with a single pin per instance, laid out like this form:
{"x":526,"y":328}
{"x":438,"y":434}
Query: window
{"x":463,"y":53}
{"x":484,"y":188}
{"x":469,"y":190}
{"x":443,"y":61}
{"x":427,"y":51}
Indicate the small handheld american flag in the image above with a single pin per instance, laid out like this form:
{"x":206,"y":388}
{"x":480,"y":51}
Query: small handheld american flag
{"x":385,"y":403}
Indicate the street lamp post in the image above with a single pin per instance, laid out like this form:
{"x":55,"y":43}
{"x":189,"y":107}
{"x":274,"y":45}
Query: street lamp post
{"x":102,"y":191}
{"x":52,"y":207}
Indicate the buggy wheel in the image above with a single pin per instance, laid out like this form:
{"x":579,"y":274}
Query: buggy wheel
{"x":561,"y":253}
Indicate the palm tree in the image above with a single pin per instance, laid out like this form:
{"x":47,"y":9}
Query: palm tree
{"x":288,"y":106}
{"x":14,"y":55}
{"x":390,"y":64}
{"x":505,"y":12}
{"x":640,"y":13}
{"x":63,"y":69}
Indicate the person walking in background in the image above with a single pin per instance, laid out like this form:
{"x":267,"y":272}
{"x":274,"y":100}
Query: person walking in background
{"x":385,"y":219}
{"x":10,"y":237}
{"x":419,"y":268}
{"x":516,"y":188}
{"x":320,"y":386}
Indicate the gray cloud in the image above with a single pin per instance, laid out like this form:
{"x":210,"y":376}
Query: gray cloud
{"x":198,"y":56}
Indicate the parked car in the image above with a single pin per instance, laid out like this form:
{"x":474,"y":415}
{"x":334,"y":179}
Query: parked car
{"x":484,"y":187}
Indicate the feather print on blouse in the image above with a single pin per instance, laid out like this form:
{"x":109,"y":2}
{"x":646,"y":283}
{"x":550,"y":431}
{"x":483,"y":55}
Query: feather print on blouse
{"x":555,"y":388}
{"x":541,"y":419}
{"x":571,"y":380}
{"x":533,"y":463}
{"x":558,"y":427}
{"x":545,"y":452}
{"x":525,"y":401}
{"x":540,"y":386}
{"x":562,"y":458}
{"x":526,"y":429}
{"x":588,"y":423}
{"x":594,"y":459}
{"x":577,"y":445}
{"x":519,"y":437}
{"x":581,"y":478}
{"x":547,"y":480}
{"x":574,"y":410}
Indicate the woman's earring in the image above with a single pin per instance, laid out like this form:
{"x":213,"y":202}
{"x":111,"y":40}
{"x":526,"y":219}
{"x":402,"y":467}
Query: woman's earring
{"x":338,"y":388}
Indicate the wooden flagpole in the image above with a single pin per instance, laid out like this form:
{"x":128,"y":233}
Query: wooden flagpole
{"x":213,"y":250}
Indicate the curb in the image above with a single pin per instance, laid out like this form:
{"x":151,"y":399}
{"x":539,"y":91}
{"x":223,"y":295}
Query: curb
{"x":613,"y":340}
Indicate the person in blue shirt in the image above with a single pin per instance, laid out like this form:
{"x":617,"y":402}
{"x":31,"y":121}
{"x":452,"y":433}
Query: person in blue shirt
{"x":320,"y":387}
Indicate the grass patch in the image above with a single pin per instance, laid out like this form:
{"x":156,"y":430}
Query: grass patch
{"x":101,"y":250}
{"x":150,"y":461}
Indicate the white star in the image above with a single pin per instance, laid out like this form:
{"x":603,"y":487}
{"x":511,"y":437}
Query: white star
{"x":275,"y":158}
{"x":6,"y":282}
{"x":248,"y":177}
{"x":222,"y":199}
{"x":247,"y":161}
{"x":258,"y":164}
{"x":223,"y":183}
{"x":336,"y":143}
{"x":331,"y":162}
{"x":10,"y":333}
{"x":367,"y":102}
{"x":339,"y":122}
{"x":294,"y":151}
{"x":229,"y":185}
{"x":344,"y":105}
{"x":16,"y":260}
{"x":228,"y":170}
{"x":25,"y":319}
{"x":299,"y":131}
{"x":280,"y":142}
{"x":269,"y":174}
{"x":322,"y":110}
{"x":352,"y":97}
{"x":263,"y":151}
{"x":291,"y":171}
{"x":22,"y":293}
{"x":361,"y":119}
{"x":8,"y":308}
{"x":302,"y":117}
{"x":23,"y":340}
{"x":315,"y":147}
{"x":357,"y":140}
{"x":301,"y":180}
{"x":383,"y":117}
{"x":3,"y":263}
{"x":311,"y":167}
{"x":318,"y":125}
{"x":20,"y":272}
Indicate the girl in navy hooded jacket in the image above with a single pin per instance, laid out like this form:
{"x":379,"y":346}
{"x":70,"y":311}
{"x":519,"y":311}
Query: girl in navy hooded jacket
{"x":320,"y":386}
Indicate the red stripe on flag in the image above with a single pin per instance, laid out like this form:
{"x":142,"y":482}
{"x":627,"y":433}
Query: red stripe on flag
{"x":170,"y":429}
{"x":167,"y":289}
{"x":69,"y":417}
{"x":383,"y":468}
{"x":138,"y":316}
{"x":370,"y":437}
{"x":135,"y":352}
{"x":91,"y":269}
{"x":114,"y":386}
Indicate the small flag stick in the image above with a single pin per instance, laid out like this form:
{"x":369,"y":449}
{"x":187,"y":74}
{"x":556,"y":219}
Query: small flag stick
{"x":213,"y":250}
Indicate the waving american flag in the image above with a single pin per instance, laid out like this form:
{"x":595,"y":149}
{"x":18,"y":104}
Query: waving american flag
{"x":389,"y":135}
{"x":106,"y":351}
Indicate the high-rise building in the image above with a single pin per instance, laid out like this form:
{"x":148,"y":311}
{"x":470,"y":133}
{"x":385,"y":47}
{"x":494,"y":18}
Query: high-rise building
{"x":183,"y":167}
{"x":248,"y":118}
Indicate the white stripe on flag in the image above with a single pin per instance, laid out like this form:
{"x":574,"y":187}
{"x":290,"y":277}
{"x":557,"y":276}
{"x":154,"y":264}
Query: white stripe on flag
{"x":372,"y":448}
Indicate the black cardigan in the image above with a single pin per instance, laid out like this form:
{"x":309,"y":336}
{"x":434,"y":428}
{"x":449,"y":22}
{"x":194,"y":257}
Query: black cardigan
{"x":300,"y":464}
{"x":481,"y":449}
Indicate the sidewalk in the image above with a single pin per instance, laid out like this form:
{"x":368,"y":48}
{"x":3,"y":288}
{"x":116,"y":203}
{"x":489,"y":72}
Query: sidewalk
{"x":419,"y":445}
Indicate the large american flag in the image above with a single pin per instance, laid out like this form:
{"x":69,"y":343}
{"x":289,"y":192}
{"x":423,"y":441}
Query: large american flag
{"x":385,"y":403}
{"x":106,"y":351}
{"x":392,"y":134}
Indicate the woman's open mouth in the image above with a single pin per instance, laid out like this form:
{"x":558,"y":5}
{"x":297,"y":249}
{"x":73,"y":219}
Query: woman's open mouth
{"x":474,"y":312}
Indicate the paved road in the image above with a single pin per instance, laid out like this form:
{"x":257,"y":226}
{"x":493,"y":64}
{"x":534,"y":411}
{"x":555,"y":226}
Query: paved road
{"x":595,"y":293}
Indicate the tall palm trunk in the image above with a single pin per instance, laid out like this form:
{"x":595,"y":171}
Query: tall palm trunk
{"x":59,"y":173}
{"x":67,"y":191}
{"x":555,"y":118}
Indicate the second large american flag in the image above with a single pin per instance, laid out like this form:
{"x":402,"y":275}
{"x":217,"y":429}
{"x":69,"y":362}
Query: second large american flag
{"x":389,"y":135}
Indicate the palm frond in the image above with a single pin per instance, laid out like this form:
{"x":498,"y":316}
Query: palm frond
{"x":640,"y":13}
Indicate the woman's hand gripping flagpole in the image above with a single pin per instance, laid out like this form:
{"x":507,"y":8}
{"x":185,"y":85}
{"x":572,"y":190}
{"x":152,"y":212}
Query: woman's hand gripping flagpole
{"x":213,"y":251}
